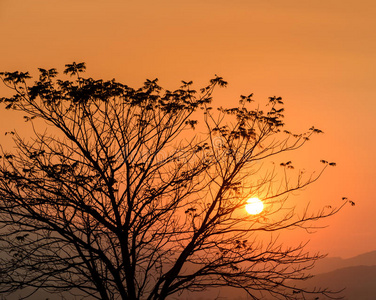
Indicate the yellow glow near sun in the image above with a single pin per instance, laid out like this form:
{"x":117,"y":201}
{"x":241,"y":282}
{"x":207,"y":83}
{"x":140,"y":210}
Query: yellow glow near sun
{"x":254,"y":206}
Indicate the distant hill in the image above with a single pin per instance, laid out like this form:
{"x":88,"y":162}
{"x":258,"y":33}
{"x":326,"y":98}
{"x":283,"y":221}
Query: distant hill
{"x":356,"y":274}
{"x":359,"y":282}
{"x":333,"y":263}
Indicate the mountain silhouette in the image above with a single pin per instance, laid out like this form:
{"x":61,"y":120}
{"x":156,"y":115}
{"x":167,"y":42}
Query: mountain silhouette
{"x":356,"y":283}
{"x":356,"y":276}
{"x":353,"y":278}
{"x":329,"y":264}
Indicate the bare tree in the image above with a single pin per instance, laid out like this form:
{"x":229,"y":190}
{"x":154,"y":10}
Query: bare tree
{"x":126,"y":195}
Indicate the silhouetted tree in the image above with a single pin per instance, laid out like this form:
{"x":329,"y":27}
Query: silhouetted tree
{"x":125,"y":195}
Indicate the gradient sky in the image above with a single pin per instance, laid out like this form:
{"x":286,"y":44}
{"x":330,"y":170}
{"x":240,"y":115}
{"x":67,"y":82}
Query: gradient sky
{"x":320,"y":56}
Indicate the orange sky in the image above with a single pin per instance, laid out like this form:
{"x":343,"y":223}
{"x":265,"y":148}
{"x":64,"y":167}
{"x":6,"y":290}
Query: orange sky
{"x":320,"y":56}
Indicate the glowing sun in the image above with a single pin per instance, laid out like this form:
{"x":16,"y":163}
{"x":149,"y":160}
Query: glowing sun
{"x":254,"y":206}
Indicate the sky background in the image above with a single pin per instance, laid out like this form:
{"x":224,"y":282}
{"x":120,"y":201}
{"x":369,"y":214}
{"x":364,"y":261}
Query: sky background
{"x":320,"y":56}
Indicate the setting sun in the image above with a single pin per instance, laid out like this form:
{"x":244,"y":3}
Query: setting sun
{"x":254,"y":206}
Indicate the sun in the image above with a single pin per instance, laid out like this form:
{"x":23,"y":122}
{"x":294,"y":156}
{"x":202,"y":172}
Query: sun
{"x":254,"y":206}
